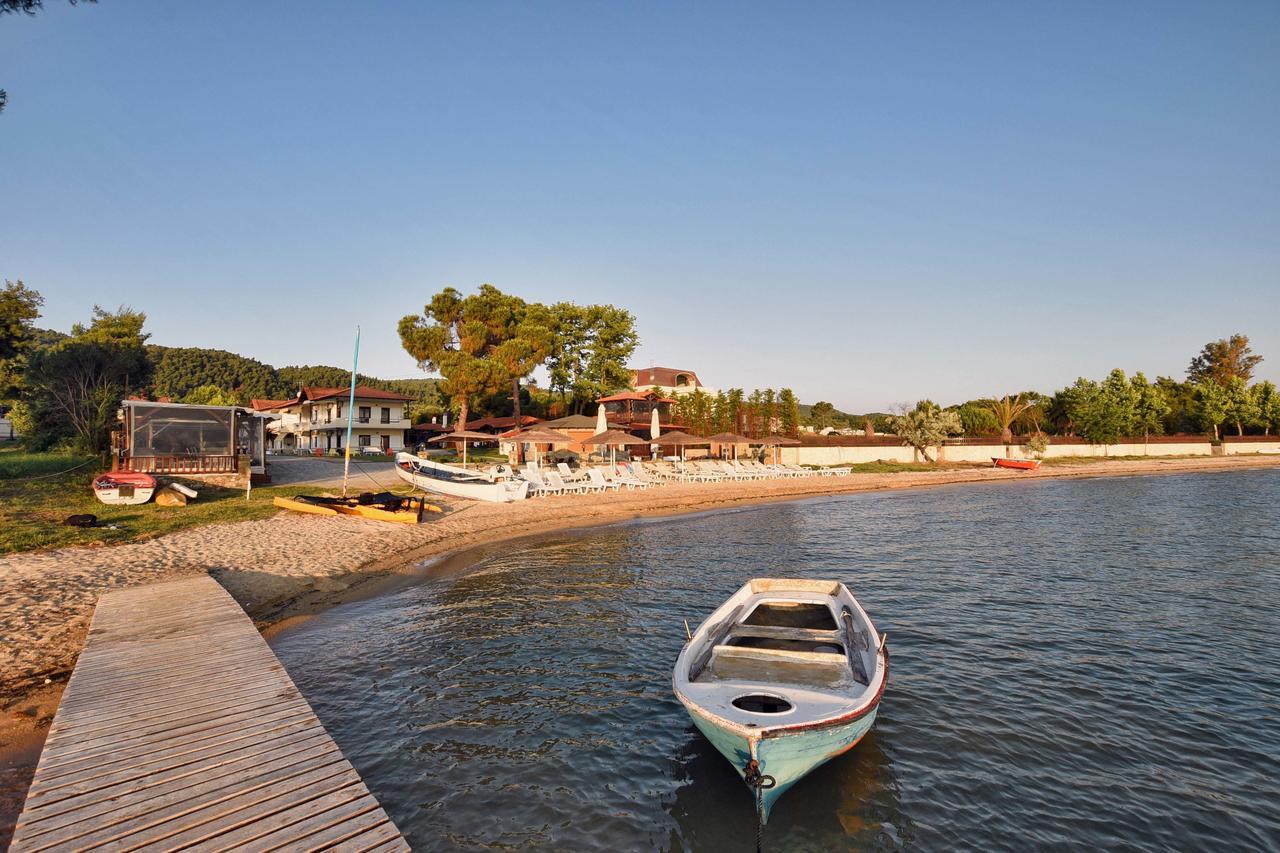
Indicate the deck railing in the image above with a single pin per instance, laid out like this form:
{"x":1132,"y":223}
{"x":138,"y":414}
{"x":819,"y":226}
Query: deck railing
{"x":180,"y":464}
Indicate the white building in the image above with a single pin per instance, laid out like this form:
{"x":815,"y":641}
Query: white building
{"x":316,"y":419}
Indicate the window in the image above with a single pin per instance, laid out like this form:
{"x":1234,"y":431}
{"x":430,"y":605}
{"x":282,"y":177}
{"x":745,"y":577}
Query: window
{"x":386,"y":415}
{"x":365,"y":414}
{"x":364,"y":440}
{"x":682,"y":380}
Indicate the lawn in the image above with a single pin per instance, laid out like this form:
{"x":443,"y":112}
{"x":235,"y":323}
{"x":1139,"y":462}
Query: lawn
{"x":35,"y":498}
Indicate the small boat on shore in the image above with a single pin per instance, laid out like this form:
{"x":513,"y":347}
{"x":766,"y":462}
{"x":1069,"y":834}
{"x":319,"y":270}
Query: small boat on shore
{"x":1019,"y":464}
{"x":783,"y":677}
{"x":124,"y":487}
{"x":377,"y":507}
{"x":498,"y":485}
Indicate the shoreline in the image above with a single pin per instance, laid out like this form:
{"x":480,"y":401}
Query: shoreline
{"x":287,"y":569}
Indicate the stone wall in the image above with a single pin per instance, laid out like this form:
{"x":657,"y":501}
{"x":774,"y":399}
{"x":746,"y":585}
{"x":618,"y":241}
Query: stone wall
{"x":857,"y":451}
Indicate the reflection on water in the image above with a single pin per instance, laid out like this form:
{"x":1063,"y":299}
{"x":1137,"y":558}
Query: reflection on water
{"x":1075,"y":664}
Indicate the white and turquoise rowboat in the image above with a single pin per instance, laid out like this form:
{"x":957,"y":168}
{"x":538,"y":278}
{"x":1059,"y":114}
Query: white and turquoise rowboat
{"x":787,"y":674}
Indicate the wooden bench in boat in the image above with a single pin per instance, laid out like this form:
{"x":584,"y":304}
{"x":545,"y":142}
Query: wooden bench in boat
{"x":180,"y":729}
{"x":779,"y":666}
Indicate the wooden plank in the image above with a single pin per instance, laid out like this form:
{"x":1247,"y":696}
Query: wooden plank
{"x":179,"y":727}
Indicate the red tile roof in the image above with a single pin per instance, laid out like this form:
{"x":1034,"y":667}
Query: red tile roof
{"x":311,"y":393}
{"x":666,"y":376}
{"x":501,"y":423}
{"x":362,"y":392}
{"x":259,"y":405}
{"x":635,"y":395}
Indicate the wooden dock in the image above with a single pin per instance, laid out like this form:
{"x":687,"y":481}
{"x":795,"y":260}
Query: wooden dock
{"x":180,"y":729}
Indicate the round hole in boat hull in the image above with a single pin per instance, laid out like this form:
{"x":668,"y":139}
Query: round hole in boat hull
{"x":762,"y":703}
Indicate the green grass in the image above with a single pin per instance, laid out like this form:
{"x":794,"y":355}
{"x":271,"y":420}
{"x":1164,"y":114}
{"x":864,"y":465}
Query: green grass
{"x":32,"y":510}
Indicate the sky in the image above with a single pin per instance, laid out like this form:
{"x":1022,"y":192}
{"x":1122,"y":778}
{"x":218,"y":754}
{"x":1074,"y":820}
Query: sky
{"x":868,"y":203}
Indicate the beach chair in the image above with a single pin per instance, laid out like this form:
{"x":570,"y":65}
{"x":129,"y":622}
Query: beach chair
{"x":726,"y":470}
{"x":662,"y":470}
{"x":622,"y":474}
{"x":557,"y":484}
{"x":639,"y":472}
{"x":749,"y":473}
{"x":698,"y":470}
{"x":569,"y":475}
{"x":596,"y":479}
{"x":538,"y":485}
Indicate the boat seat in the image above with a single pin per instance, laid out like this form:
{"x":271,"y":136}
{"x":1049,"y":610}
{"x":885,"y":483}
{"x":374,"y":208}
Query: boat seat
{"x":779,"y":666}
{"x":775,"y":632}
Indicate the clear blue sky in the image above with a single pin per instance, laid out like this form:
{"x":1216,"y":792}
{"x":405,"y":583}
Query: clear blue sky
{"x":869,"y":203}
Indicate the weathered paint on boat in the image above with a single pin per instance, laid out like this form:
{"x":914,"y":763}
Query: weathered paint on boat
{"x":788,"y":758}
{"x":824,"y":718}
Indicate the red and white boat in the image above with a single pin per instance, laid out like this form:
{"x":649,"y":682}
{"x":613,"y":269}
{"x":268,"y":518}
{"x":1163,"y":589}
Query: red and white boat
{"x":1020,"y":464}
{"x":123,"y":487}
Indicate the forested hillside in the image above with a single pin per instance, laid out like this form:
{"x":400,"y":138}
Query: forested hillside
{"x":179,"y":371}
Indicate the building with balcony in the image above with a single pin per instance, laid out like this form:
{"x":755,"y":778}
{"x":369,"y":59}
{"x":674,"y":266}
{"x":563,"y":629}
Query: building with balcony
{"x":316,"y":419}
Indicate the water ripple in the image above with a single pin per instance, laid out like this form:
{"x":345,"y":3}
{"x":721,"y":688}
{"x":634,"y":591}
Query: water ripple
{"x":1075,"y":664}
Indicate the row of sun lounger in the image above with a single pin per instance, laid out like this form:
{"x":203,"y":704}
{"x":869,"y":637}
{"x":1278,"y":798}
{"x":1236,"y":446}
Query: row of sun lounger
{"x":562,"y":480}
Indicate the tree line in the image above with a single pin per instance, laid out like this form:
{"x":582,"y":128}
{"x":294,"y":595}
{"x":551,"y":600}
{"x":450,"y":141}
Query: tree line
{"x":1217,"y":392}
{"x":65,"y":389}
{"x":755,"y":415}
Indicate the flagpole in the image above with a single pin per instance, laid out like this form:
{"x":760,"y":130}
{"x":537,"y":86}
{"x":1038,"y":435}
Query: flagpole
{"x":351,"y":405}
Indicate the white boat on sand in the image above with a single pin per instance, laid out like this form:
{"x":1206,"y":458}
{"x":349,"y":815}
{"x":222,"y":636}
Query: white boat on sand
{"x":498,"y":485}
{"x":782,"y":677}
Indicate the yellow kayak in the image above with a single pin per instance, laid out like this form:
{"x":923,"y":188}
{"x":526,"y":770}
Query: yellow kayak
{"x":404,"y":513}
{"x":303,"y":506}
{"x":377,"y":513}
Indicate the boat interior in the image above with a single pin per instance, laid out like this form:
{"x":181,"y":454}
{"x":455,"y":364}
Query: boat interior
{"x":788,"y":633}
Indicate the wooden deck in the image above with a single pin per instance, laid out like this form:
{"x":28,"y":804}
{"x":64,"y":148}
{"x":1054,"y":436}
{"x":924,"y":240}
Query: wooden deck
{"x":180,"y":729}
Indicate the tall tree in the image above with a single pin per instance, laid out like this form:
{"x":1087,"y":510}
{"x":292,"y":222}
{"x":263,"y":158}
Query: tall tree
{"x":926,"y":426}
{"x":754,"y":413}
{"x":1150,"y":406}
{"x":450,"y":339}
{"x":1242,"y":405}
{"x":1268,"y":407}
{"x":520,"y":335}
{"x":19,"y":308}
{"x":788,"y":412}
{"x":590,"y":348}
{"x":1212,"y":406}
{"x":75,"y":386}
{"x":821,"y":414}
{"x":977,"y":417}
{"x":1223,"y":360}
{"x":1109,"y":413}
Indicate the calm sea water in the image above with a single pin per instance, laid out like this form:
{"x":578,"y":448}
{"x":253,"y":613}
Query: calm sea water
{"x":1075,"y":664}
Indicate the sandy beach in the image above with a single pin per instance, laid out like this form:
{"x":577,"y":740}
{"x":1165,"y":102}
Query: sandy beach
{"x":287,"y":567}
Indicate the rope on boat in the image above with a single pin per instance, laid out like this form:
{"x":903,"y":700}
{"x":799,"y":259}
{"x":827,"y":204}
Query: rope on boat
{"x":758,"y":782}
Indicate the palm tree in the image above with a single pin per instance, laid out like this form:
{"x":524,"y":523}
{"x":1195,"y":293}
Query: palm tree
{"x":1006,"y":412}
